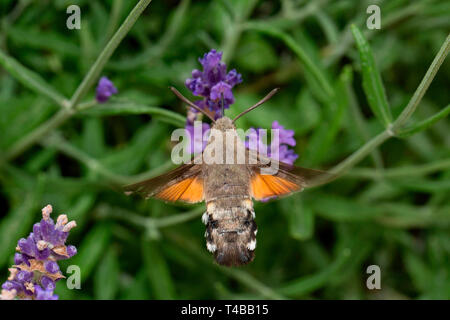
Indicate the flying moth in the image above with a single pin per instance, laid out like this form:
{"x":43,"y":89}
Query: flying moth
{"x":228,"y":189}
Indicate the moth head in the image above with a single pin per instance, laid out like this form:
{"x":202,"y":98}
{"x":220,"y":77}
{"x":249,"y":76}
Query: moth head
{"x":232,"y":240}
{"x":223,"y":124}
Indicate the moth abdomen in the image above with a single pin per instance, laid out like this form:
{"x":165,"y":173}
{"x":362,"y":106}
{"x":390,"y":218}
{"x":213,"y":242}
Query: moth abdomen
{"x":231,"y":233}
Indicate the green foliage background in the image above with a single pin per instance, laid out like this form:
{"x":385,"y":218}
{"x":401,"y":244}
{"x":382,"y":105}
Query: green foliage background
{"x":390,"y":208}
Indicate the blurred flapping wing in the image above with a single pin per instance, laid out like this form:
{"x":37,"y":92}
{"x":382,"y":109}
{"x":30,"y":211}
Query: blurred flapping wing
{"x":184,"y":183}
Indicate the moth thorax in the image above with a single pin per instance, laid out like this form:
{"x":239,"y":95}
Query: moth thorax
{"x":231,"y":234}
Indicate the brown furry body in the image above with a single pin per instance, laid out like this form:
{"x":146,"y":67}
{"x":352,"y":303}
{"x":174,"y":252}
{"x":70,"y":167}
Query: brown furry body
{"x":230,"y":225}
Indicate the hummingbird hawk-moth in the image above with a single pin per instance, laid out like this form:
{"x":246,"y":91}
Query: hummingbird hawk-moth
{"x":228,"y":189}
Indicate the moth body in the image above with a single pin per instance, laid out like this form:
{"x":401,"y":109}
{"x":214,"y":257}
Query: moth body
{"x":229,"y":217}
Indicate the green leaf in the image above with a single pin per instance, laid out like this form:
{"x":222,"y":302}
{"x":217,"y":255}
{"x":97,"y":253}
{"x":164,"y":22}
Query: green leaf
{"x":341,"y":209}
{"x":30,"y":79}
{"x":119,"y":107}
{"x":301,"y":54}
{"x":20,"y":116}
{"x":15,"y":226}
{"x":106,"y":280}
{"x":324,"y":136}
{"x":423,"y":125}
{"x":310,"y":111}
{"x":158,"y":272}
{"x":94,"y":244}
{"x":300,"y":218}
{"x":308,"y":284}
{"x":138,"y":289}
{"x":255,"y":54}
{"x":372,"y":83}
{"x":128,"y":160}
{"x":46,"y":40}
{"x":418,"y":271}
{"x":93,"y":140}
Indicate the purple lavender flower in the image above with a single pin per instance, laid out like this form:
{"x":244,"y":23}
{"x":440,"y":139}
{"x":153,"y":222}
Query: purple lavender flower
{"x":36,"y":269}
{"x":279,"y":149}
{"x":286,"y":136}
{"x":105,"y":89}
{"x":222,"y":89}
{"x":44,"y":294}
{"x":213,"y":82}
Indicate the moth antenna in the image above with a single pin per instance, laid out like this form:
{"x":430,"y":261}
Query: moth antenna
{"x":185,"y":100}
{"x":271,"y":93}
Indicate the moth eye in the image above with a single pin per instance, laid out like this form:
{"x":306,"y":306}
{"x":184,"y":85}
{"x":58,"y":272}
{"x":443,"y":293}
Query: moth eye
{"x":247,"y":223}
{"x":214,"y":224}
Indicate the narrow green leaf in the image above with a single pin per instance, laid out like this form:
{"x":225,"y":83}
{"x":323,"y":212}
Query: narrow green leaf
{"x":119,"y":107}
{"x":341,"y":209}
{"x":93,"y":137}
{"x":157,"y":271}
{"x":151,"y":53}
{"x":302,"y":55}
{"x":91,"y":249}
{"x":138,"y":289}
{"x":308,"y":284}
{"x":43,"y":39}
{"x":15,"y":225}
{"x":418,"y":271}
{"x":129,"y":160}
{"x":372,"y":83}
{"x":300,"y":218}
{"x":30,"y":79}
{"x":255,"y":54}
{"x":324,"y":136}
{"x":423,"y":125}
{"x":106,"y":280}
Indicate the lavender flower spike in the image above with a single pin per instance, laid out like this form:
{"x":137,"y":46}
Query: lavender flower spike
{"x":105,"y":89}
{"x":211,"y":84}
{"x":36,"y":270}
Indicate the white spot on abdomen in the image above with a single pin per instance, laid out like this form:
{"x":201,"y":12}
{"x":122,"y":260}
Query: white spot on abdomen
{"x":251,"y":245}
{"x":205,"y":218}
{"x":211,"y":247}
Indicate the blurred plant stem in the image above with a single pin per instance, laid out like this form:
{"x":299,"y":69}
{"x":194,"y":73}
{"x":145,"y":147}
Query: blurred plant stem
{"x":407,"y":171}
{"x":105,"y":210}
{"x":56,"y":141}
{"x":68,"y":110}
